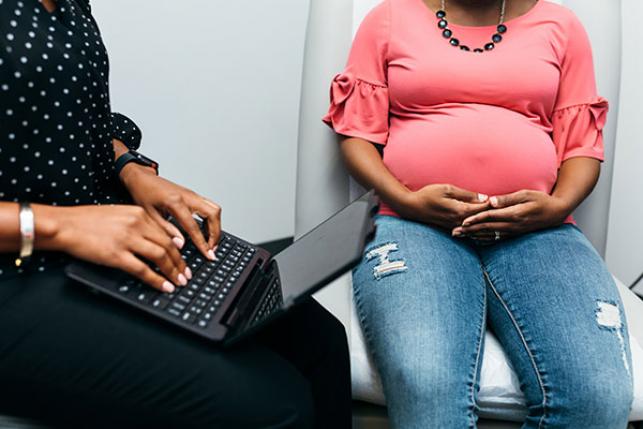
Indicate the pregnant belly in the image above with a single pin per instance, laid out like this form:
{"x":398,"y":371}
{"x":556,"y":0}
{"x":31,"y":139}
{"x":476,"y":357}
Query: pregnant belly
{"x":481,"y":148}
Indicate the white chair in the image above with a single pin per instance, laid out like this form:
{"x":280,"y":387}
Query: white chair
{"x":324,"y":186}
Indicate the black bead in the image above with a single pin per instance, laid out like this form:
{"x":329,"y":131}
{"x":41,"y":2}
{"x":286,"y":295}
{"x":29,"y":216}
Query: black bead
{"x":478,"y":51}
{"x":497,"y":38}
{"x":502,"y":28}
{"x":454,"y":41}
{"x":465,"y":48}
{"x":442,"y":23}
{"x":447,"y":33}
{"x":489,"y":46}
{"x":440,"y":14}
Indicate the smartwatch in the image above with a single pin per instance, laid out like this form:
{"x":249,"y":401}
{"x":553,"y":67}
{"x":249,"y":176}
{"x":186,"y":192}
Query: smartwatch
{"x":138,"y":158}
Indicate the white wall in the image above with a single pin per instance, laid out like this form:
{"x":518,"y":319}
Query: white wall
{"x":215,"y":87}
{"x":602,"y":20}
{"x":625,"y":238}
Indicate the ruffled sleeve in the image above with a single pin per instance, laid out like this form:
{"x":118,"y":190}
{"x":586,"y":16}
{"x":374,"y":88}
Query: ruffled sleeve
{"x":580,"y":113}
{"x":359,"y":98}
{"x":126,"y":130}
{"x":578,"y":130}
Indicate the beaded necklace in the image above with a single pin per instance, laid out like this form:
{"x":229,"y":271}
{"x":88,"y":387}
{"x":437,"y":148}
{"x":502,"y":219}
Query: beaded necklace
{"x":447,"y":33}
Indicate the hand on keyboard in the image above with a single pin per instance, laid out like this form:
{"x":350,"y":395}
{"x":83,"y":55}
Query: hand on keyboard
{"x":160,"y":197}
{"x":121,"y":237}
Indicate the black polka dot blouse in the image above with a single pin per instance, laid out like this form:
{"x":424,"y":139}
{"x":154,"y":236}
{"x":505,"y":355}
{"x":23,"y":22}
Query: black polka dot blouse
{"x":56,"y":124}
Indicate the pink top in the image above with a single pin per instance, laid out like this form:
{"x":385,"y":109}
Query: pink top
{"x":495,"y":122}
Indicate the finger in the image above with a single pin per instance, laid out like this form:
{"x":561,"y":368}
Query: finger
{"x":464,"y":195}
{"x":157,"y":235}
{"x":157,"y":255}
{"x":500,"y":201}
{"x":484,"y":236}
{"x":480,"y":235}
{"x":501,"y":227}
{"x":211,"y":213}
{"x":505,"y":214}
{"x":466,"y":210}
{"x":183,"y":215}
{"x":172,"y":231}
{"x":139,"y":269}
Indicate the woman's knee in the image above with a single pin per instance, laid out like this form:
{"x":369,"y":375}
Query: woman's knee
{"x":592,"y":401}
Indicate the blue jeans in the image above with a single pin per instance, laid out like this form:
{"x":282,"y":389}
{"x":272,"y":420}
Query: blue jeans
{"x":424,"y":300}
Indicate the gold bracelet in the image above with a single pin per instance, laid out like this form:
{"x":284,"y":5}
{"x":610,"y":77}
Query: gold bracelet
{"x":27,"y":234}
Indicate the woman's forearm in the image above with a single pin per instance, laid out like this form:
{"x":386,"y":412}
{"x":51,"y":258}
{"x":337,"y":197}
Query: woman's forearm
{"x":365,"y":164}
{"x":46,"y":218}
{"x":576,"y":180}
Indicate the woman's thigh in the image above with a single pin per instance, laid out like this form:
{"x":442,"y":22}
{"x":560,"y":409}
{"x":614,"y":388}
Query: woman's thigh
{"x":420,"y":298}
{"x":555,"y":308}
{"x":86,"y":361}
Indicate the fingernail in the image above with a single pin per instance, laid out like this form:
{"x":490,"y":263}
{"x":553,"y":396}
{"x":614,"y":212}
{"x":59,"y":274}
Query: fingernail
{"x":168,"y":287}
{"x":456,"y":232}
{"x":211,"y":255}
{"x":494,"y":201}
{"x":179,"y":242}
{"x":182,"y":280}
{"x":188,"y":273}
{"x":482,"y":198}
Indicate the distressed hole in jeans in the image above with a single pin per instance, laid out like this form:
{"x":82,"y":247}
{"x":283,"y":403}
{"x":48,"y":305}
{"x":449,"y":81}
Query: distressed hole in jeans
{"x":386,"y":266}
{"x":608,"y":316}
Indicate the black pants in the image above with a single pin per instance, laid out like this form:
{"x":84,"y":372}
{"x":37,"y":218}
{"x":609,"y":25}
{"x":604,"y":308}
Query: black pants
{"x":77,"y":360}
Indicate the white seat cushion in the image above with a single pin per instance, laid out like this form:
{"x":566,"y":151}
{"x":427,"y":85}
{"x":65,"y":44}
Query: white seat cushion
{"x":500,"y":396}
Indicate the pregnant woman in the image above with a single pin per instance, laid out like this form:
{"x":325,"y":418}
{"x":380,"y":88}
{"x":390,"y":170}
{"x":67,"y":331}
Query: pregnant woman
{"x":490,"y":125}
{"x":76,"y":360}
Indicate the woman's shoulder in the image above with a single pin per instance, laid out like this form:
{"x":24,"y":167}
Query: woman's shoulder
{"x":561,"y":14}
{"x":379,"y":11}
{"x":562,"y":24}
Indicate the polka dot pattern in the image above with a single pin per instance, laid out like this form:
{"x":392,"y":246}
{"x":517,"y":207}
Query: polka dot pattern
{"x":56,"y":124}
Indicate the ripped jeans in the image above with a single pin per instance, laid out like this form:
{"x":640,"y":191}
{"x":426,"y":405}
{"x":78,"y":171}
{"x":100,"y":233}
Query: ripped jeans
{"x":424,"y":300}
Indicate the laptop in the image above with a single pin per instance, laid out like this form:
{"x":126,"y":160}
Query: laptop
{"x":246,"y":287}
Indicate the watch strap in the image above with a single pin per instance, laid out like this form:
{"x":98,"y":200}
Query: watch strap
{"x":133,"y":156}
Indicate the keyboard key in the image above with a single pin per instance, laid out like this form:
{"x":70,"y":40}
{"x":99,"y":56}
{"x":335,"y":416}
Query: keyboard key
{"x":188,"y":317}
{"x":205,"y":296}
{"x":160,"y":303}
{"x":184,"y":299}
{"x":203,"y":324}
{"x":141,"y":297}
{"x":174,"y":312}
{"x":178,"y":306}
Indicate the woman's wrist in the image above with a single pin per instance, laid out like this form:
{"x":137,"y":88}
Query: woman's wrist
{"x":562,"y":206}
{"x":132,"y":171}
{"x":401,"y":200}
{"x":48,"y":221}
